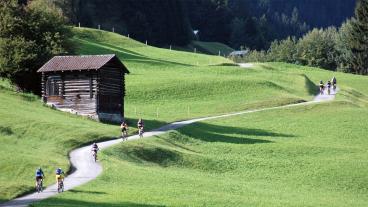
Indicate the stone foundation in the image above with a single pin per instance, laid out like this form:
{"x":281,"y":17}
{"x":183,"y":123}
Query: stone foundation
{"x":115,"y":118}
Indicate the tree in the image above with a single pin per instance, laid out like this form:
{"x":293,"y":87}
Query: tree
{"x":343,"y":49}
{"x":358,"y":38}
{"x":30,"y":35}
{"x":317,"y":48}
{"x":284,"y":50}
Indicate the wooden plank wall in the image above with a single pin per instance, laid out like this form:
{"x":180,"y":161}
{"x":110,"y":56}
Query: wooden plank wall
{"x":75,"y":93}
{"x":111,"y":90}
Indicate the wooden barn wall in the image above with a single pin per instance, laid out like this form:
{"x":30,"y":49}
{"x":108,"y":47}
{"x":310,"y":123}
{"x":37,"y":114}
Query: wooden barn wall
{"x":75,"y":92}
{"x":111,"y":90}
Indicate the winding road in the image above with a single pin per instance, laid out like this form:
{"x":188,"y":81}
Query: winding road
{"x":86,"y":169}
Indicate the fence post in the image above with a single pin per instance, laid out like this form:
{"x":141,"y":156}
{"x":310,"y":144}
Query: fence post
{"x":146,"y":42}
{"x":79,"y":24}
{"x":113,"y":29}
{"x":170,"y":47}
{"x":99,"y":27}
{"x":195,"y":50}
{"x":128,"y":36}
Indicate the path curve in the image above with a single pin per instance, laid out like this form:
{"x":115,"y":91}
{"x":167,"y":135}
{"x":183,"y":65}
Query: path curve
{"x":87,"y":169}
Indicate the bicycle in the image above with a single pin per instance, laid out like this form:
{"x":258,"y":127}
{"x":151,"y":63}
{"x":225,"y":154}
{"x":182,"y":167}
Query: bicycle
{"x":140,"y":132}
{"x":39,"y":187}
{"x":60,"y":186}
{"x":94,"y":155}
{"x":124,"y":135}
{"x":321,"y":89}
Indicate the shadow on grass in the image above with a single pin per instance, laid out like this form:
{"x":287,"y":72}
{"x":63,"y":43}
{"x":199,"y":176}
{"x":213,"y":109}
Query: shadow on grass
{"x":87,"y":192}
{"x":75,"y":203}
{"x":128,"y":54}
{"x":311,"y":87}
{"x":153,"y":154}
{"x":6,"y":131}
{"x":214,"y":133}
{"x":132,"y":122}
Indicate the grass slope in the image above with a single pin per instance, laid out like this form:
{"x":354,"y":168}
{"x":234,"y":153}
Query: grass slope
{"x":211,"y":48}
{"x":179,"y":85}
{"x":170,"y":82}
{"x":303,"y":156}
{"x":32,"y":135}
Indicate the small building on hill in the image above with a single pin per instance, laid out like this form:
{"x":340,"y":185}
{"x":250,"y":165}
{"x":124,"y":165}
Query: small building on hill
{"x":238,"y":54}
{"x":88,"y":85}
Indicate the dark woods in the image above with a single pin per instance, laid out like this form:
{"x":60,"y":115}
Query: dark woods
{"x":32,"y":31}
{"x":239,"y":23}
{"x":344,"y":49}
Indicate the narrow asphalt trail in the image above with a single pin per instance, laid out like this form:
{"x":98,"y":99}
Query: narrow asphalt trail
{"x":86,"y":169}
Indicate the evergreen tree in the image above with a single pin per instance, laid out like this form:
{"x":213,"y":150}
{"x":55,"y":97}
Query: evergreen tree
{"x":358,"y":38}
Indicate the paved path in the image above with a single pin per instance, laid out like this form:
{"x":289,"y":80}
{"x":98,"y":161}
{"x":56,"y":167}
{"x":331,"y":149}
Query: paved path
{"x":87,"y":169}
{"x":246,"y":65}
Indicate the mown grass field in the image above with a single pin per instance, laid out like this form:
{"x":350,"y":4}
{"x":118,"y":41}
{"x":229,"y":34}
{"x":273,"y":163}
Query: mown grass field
{"x":163,"y":81}
{"x":313,"y":155}
{"x":178,"y":85}
{"x":211,"y":48}
{"x":180,"y":168}
{"x":33,"y":135}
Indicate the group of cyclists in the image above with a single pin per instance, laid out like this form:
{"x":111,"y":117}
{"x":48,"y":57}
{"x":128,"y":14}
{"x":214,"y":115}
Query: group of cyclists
{"x":40,"y":176}
{"x":59,"y":173}
{"x":330,"y":83}
{"x":124,"y":129}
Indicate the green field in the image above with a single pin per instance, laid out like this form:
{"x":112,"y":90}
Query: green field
{"x":161,"y":81}
{"x":179,"y":85}
{"x":304,"y":156}
{"x":211,"y":48}
{"x":33,"y":135}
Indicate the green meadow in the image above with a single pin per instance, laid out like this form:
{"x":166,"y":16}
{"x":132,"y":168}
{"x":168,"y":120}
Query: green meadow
{"x":172,"y":85}
{"x":312,"y":155}
{"x":303,"y":156}
{"x":163,"y":86}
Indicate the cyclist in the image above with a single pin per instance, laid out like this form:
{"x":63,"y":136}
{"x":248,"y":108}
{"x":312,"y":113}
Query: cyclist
{"x":94,"y":150}
{"x":39,"y":177}
{"x":328,"y":87}
{"x":140,"y":125}
{"x":321,"y":86}
{"x":59,"y":174}
{"x":124,"y":130}
{"x":334,"y":82}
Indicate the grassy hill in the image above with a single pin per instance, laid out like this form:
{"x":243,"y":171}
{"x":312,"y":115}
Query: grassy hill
{"x":211,"y":48}
{"x":303,"y":156}
{"x":177,"y":85}
{"x":33,"y":135}
{"x":171,"y":82}
{"x":194,"y":165}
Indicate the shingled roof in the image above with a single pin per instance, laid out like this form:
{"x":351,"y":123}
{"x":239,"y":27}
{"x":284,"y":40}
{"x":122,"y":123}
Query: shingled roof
{"x":83,"y":62}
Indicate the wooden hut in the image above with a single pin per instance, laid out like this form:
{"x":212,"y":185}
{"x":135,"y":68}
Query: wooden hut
{"x":88,"y":85}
